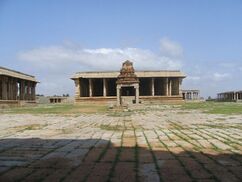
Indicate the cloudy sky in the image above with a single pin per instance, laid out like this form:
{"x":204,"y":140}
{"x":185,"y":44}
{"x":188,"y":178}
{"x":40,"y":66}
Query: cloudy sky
{"x":54,"y":39}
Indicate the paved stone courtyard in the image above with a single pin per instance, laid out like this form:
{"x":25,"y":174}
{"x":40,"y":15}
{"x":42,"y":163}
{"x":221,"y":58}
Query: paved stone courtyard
{"x":153,"y":143}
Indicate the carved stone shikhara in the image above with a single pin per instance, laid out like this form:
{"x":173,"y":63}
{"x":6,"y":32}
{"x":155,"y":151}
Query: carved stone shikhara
{"x":127,"y":74}
{"x":127,"y":78}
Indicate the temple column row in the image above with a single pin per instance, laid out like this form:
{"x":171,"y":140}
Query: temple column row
{"x":9,"y":88}
{"x":90,"y":87}
{"x":168,"y":86}
{"x":230,"y":96}
{"x":26,"y":90}
{"x":191,"y":95}
{"x":11,"y":91}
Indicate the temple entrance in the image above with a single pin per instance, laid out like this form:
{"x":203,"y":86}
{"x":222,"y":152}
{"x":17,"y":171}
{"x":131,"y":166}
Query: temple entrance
{"x":127,"y":91}
{"x":127,"y":95}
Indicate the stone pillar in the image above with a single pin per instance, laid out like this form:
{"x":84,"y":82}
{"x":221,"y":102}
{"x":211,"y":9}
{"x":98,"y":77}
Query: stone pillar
{"x":9,"y":90}
{"x":118,"y":95}
{"x":22,"y":90}
{"x":33,"y":90}
{"x":167,"y":86}
{"x":9,"y":85}
{"x":153,"y":86}
{"x":170,"y":87}
{"x":28,"y":91}
{"x":4,"y":88}
{"x":104,"y":87}
{"x":136,"y":94}
{"x":179,"y":86}
{"x":77,"y":88}
{"x":14,"y":89}
{"x":90,"y":87}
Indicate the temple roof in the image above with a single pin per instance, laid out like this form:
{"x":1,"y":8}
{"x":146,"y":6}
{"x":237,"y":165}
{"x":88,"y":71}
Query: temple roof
{"x":16,"y":74}
{"x":127,"y":68}
{"x":140,"y":74}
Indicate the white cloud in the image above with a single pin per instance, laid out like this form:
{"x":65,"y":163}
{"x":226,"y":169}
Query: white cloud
{"x":220,"y":76}
{"x":170,"y":48}
{"x":97,"y":59}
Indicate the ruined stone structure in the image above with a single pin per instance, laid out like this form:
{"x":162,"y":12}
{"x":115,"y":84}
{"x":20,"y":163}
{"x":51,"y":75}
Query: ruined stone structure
{"x":57,"y":99}
{"x":128,"y":85}
{"x":230,"y":96}
{"x":191,"y":94}
{"x":16,"y":86}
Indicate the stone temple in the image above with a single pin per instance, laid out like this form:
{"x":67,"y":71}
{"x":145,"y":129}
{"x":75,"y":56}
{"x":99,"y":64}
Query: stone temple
{"x":129,"y":86}
{"x":16,"y":87}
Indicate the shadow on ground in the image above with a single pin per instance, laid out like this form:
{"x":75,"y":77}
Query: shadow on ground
{"x":99,"y":160}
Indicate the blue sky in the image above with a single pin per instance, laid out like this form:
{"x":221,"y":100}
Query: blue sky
{"x":54,"y":39}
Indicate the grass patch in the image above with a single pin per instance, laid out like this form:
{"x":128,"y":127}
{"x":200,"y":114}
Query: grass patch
{"x":30,"y":127}
{"x":112,"y":128}
{"x":57,"y":109}
{"x":35,"y":127}
{"x":120,"y":113}
{"x":66,"y":131}
{"x":215,"y":107}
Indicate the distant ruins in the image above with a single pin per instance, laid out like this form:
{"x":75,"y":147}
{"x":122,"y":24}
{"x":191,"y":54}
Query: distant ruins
{"x":16,"y":86}
{"x":191,"y":94}
{"x":128,"y":85}
{"x":235,"y":96}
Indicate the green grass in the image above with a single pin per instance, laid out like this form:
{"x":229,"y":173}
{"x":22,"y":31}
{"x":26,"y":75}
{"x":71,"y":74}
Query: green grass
{"x":112,"y":128}
{"x":57,"y":109}
{"x":215,"y":107}
{"x":75,"y":109}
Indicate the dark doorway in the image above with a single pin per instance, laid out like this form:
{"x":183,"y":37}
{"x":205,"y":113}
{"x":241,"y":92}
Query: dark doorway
{"x":127,"y":91}
{"x":84,"y":84}
{"x":145,"y":86}
{"x":97,"y":87}
{"x":111,"y":86}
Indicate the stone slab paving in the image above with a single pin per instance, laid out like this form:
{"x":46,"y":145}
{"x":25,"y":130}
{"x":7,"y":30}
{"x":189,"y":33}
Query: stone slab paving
{"x":155,"y":143}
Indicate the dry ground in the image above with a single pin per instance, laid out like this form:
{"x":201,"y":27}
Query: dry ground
{"x":146,"y":143}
